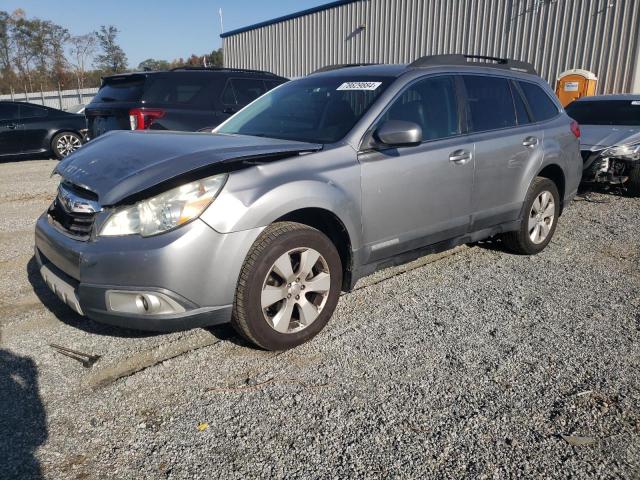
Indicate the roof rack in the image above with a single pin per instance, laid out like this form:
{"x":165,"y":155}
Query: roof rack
{"x":476,"y":60}
{"x":328,"y":68}
{"x":226,"y":69}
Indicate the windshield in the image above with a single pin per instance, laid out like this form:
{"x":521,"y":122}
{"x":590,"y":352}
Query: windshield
{"x":318,"y":109}
{"x":605,"y":112}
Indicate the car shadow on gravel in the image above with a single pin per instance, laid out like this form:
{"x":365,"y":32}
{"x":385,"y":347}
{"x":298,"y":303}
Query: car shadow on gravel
{"x":23,"y":425}
{"x":71,"y":318}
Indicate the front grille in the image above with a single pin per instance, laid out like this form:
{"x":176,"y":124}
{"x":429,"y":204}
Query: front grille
{"x":78,"y":225}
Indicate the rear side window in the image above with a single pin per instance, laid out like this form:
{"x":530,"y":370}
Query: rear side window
{"x":542,"y":107}
{"x":431,"y":103}
{"x":121,"y":89}
{"x":9,"y":111}
{"x":247,"y":89}
{"x":31,"y":111}
{"x":228,"y":97}
{"x":187,"y":91}
{"x":490,"y":103}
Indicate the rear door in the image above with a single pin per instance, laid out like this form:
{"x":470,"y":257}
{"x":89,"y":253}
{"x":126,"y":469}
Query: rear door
{"x":508,"y":148}
{"x":109,"y":109}
{"x":11,"y":131}
{"x":36,"y":128}
{"x":418,"y":195}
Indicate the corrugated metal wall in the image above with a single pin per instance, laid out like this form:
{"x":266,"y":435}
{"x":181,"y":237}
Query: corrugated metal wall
{"x":554,"y":35}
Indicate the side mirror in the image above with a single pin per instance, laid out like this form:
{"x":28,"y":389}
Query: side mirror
{"x":398,"y":133}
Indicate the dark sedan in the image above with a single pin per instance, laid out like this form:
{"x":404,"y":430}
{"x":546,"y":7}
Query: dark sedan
{"x":30,"y":130}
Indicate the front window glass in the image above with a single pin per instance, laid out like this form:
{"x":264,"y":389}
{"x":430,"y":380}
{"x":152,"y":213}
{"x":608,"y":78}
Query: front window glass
{"x":319,"y":109}
{"x":430,"y":103}
{"x":605,"y":112}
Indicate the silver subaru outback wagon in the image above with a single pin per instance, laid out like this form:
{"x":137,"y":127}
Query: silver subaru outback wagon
{"x":317,"y":183}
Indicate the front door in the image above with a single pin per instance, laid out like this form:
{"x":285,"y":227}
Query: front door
{"x":36,"y":125}
{"x":418,"y":195}
{"x":11,"y":131}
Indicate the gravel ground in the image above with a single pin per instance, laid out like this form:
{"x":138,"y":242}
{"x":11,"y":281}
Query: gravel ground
{"x":474,"y":364}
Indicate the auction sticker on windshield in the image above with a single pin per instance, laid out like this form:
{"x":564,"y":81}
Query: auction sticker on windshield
{"x":359,"y":86}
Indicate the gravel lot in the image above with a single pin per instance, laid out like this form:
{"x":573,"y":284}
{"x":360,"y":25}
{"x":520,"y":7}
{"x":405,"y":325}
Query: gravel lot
{"x":473,"y":364}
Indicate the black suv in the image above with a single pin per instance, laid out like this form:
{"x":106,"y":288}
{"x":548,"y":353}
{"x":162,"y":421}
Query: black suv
{"x":187,"y":99}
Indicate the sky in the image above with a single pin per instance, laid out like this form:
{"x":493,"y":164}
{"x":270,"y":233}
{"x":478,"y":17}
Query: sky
{"x":161,"y":29}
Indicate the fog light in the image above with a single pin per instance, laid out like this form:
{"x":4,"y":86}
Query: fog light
{"x":142,"y":303}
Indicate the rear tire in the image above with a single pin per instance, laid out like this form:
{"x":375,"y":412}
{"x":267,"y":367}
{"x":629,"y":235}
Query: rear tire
{"x":540,"y":214}
{"x":65,"y":143}
{"x":288,"y":288}
{"x":633,"y":184}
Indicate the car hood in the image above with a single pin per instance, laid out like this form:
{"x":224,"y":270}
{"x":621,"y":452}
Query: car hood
{"x":121,"y":164}
{"x":597,"y":137}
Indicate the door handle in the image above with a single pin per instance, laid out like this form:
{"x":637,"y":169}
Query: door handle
{"x":229,"y":110}
{"x":460,"y":157}
{"x":530,"y":142}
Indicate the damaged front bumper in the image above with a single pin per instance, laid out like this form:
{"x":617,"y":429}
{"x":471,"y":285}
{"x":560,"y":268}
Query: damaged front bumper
{"x":604,"y":168}
{"x":182,"y":279}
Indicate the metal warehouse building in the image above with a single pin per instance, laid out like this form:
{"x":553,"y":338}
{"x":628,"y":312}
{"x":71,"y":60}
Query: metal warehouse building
{"x":602,"y":36}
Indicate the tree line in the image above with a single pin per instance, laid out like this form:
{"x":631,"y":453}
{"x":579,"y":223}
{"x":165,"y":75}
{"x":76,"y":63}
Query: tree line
{"x":38,"y":54}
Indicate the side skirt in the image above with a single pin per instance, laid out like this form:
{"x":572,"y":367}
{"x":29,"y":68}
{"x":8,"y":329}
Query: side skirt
{"x":430,"y":249}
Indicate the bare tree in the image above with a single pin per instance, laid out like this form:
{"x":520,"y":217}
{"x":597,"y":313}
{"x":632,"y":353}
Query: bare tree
{"x":82,"y":49}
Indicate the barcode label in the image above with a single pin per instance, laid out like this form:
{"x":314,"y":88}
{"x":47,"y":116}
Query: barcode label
{"x":359,"y":86}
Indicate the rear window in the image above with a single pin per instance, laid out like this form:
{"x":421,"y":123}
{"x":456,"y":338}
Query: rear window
{"x":605,"y":112}
{"x":121,"y":89}
{"x":31,"y":111}
{"x":490,"y":103}
{"x":243,"y":91}
{"x":542,"y":107}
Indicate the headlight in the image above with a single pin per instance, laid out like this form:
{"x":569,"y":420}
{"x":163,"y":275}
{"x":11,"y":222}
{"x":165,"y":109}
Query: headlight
{"x":626,"y":152}
{"x":165,"y":211}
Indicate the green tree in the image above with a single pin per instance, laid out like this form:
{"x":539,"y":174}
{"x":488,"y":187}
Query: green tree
{"x":153,"y":64}
{"x":215,"y":58}
{"x":112,"y":59}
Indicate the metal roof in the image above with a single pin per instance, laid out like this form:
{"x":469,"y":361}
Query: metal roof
{"x":291,"y":16}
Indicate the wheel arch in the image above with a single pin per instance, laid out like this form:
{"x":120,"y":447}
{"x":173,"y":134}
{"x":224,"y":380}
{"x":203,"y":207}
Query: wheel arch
{"x":555,"y":173}
{"x":329,"y":224}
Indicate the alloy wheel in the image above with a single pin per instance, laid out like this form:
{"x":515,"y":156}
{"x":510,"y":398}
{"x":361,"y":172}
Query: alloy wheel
{"x":295,"y":290}
{"x":67,"y":143}
{"x":541,"y":217}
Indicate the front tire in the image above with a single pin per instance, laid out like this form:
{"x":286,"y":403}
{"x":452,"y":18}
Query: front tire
{"x":541,"y":210}
{"x":633,"y":183}
{"x":65,"y":143}
{"x":288,"y":287}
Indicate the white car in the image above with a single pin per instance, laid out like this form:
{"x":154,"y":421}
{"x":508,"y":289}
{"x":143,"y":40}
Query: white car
{"x":610,"y":139}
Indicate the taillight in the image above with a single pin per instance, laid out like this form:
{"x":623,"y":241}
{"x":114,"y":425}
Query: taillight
{"x":575,"y":128}
{"x":142,"y":118}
